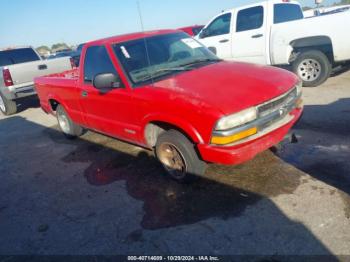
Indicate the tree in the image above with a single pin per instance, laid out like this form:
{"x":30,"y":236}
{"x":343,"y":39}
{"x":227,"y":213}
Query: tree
{"x":342,"y":2}
{"x":305,"y":8}
{"x":59,"y":46}
{"x":43,"y":48}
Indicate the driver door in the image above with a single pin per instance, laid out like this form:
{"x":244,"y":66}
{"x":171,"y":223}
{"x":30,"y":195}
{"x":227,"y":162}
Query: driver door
{"x":217,"y":36}
{"x":108,"y":111}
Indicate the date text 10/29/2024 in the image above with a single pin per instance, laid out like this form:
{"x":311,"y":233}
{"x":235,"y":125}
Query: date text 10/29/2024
{"x":173,"y":258}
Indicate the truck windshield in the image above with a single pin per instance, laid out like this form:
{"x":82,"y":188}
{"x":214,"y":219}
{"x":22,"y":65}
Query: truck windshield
{"x":152,"y":58}
{"x":287,"y":12}
{"x":17,"y":56}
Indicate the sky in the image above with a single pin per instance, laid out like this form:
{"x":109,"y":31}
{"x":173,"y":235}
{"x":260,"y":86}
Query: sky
{"x":46,"y":22}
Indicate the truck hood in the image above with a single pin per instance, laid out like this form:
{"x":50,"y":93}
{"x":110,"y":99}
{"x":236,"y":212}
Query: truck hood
{"x":230,"y":86}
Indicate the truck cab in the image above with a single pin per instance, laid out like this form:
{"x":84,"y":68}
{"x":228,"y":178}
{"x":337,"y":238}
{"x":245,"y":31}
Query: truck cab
{"x":243,"y":33}
{"x":165,"y":91}
{"x":274,"y":32}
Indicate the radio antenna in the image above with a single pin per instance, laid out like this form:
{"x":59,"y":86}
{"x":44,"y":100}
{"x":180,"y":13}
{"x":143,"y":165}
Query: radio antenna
{"x":145,"y":40}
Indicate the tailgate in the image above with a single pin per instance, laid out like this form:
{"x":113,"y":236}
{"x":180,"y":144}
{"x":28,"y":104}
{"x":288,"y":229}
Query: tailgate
{"x":26,"y":72}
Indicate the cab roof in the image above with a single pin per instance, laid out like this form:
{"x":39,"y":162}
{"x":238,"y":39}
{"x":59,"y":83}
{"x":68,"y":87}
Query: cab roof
{"x":130,"y":37}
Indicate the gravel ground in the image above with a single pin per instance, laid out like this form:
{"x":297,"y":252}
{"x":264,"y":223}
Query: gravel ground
{"x":98,"y":196}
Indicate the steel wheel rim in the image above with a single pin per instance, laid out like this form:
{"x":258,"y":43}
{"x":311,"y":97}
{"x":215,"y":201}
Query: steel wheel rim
{"x":172,"y":160}
{"x":309,"y":70}
{"x":63,"y":122}
{"x":2,"y":105}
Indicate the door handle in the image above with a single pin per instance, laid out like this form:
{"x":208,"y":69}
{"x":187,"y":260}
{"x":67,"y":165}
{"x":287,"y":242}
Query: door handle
{"x":223,"y":41}
{"x":42,"y":67}
{"x":84,"y":93}
{"x":257,"y":36}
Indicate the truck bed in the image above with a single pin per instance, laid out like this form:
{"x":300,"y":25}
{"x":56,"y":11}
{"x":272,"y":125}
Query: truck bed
{"x":332,"y":26}
{"x":49,"y":86}
{"x":69,"y":74}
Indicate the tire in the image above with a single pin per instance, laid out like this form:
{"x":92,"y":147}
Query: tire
{"x":67,"y":126}
{"x":7,"y":107}
{"x":179,"y":157}
{"x":312,"y":67}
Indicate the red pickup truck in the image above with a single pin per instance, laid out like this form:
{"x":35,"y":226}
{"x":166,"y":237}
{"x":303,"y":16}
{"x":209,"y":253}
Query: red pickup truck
{"x":163,"y":90}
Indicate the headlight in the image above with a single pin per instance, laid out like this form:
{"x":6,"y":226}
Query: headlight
{"x":237,"y":119}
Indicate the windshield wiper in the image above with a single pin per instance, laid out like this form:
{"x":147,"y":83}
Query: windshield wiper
{"x":157,"y":73}
{"x":201,"y":61}
{"x":171,"y":69}
{"x":184,"y":67}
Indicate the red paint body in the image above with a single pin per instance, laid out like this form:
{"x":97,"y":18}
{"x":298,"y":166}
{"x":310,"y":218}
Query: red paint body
{"x":192,"y":30}
{"x":192,"y":101}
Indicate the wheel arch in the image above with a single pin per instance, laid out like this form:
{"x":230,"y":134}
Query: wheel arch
{"x":155,"y":125}
{"x":54,"y":101}
{"x":320,"y":43}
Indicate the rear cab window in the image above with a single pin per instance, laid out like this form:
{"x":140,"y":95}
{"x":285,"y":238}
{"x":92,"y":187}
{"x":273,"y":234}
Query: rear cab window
{"x":18,"y":56}
{"x":97,"y":61}
{"x":287,"y":12}
{"x":250,"y":18}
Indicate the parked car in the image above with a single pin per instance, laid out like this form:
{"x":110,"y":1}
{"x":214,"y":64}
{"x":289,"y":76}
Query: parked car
{"x":72,"y":54}
{"x":18,"y":67}
{"x":172,"y":94}
{"x":80,"y":48}
{"x":276,"y":33}
{"x":192,"y":30}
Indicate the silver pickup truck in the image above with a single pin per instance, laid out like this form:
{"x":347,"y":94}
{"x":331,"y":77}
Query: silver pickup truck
{"x":18,"y":68}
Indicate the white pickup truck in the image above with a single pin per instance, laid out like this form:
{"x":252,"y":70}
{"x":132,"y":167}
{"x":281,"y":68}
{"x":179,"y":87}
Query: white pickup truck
{"x":18,"y":67}
{"x":274,"y":32}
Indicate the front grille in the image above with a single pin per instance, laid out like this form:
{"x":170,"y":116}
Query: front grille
{"x":278,"y":103}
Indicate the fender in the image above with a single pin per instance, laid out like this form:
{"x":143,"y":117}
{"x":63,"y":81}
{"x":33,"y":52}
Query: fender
{"x":186,"y":127}
{"x":76,"y":116}
{"x":60,"y":101}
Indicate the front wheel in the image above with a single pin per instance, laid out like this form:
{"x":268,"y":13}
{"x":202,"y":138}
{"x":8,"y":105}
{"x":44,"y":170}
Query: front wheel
{"x":7,"y":107}
{"x":67,"y":126}
{"x":312,"y":67}
{"x":179,"y":157}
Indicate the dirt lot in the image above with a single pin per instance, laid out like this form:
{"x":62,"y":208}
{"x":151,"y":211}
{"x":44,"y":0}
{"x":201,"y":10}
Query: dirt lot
{"x":97,"y":195}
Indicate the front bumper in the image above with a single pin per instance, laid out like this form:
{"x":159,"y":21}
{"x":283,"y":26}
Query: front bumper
{"x":237,"y":154}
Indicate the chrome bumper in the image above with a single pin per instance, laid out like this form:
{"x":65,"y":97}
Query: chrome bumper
{"x":13,"y":92}
{"x":272,"y":115}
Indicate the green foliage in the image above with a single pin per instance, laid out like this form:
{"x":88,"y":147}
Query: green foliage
{"x":43,"y":48}
{"x":305,"y":8}
{"x":342,"y":2}
{"x":59,"y":46}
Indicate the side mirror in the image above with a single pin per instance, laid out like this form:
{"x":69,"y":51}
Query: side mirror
{"x":106,"y":81}
{"x":203,"y":33}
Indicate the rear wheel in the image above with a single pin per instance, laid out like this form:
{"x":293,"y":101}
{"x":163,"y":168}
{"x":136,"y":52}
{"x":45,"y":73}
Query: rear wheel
{"x":7,"y":107}
{"x":313,"y":68}
{"x":179,"y":157}
{"x":67,"y":126}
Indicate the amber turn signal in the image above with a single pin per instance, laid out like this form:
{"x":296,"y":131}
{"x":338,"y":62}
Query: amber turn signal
{"x":225,"y":140}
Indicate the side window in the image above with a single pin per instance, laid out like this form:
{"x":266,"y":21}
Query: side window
{"x":220,"y":26}
{"x":250,"y":18}
{"x":287,"y":12}
{"x":96,"y":62}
